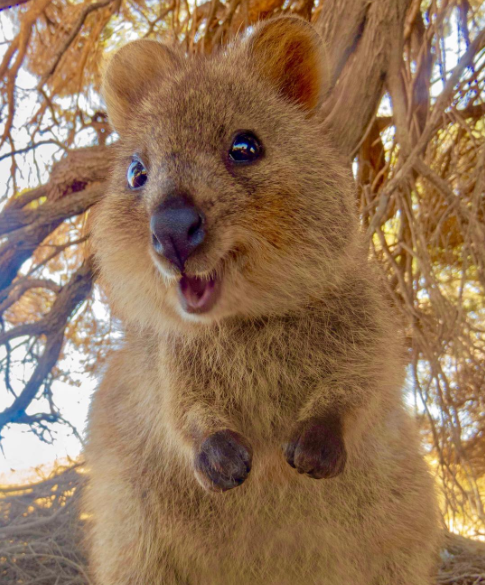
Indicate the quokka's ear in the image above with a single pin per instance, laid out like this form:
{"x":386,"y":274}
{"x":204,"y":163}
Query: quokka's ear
{"x":130,"y":72}
{"x":289,"y":53}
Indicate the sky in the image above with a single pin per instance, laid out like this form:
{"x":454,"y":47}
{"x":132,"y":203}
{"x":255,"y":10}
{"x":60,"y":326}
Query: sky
{"x":22,"y":450}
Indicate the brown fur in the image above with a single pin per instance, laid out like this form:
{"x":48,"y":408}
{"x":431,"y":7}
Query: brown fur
{"x":298,"y":359}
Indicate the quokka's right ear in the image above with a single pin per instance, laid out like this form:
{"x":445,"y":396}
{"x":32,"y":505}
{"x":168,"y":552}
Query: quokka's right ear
{"x":288,"y":52}
{"x":130,"y":73}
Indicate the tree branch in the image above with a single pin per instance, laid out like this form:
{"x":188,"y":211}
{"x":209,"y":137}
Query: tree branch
{"x":360,"y":35}
{"x":19,"y":223}
{"x":433,"y":123}
{"x":5,"y":4}
{"x":32,"y":147}
{"x":53,"y":326}
{"x":72,"y":35}
{"x":20,"y":287}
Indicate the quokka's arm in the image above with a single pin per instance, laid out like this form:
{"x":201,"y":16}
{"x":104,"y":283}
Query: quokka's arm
{"x":222,"y":456}
{"x":330,"y":419}
{"x":361,"y":375}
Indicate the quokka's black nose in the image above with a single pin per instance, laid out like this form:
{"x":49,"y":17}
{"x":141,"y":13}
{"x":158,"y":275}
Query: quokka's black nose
{"x":177,"y":228}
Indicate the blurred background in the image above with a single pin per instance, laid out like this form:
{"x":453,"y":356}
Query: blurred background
{"x":408,"y":91}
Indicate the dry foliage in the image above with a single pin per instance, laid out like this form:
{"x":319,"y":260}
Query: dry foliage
{"x":407,"y":90}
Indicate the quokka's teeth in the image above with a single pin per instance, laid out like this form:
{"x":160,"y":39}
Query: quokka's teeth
{"x":198,"y":295}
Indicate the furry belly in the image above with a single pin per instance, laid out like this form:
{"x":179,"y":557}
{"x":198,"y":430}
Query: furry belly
{"x":284,"y":536}
{"x":278,"y":528}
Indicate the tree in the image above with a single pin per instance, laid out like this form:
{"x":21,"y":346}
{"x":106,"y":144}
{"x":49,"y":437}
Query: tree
{"x":406,"y":102}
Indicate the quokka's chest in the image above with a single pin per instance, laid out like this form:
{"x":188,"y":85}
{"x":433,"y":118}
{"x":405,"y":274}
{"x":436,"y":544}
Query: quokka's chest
{"x":262,"y":385}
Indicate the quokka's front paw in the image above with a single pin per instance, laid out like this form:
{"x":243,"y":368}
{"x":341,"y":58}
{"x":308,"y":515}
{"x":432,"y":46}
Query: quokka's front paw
{"x":317,"y":448}
{"x":223,"y":461}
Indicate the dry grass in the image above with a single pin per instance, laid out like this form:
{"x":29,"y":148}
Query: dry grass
{"x":41,"y":537}
{"x":41,"y":532}
{"x":463,"y":561}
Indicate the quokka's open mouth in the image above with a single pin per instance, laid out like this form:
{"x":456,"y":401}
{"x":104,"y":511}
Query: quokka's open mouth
{"x":198,"y":294}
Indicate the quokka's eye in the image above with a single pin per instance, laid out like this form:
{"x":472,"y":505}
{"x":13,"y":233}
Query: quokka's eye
{"x":246,"y":148}
{"x":137,"y":174}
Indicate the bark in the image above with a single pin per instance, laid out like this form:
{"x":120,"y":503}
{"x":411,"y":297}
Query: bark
{"x":76,"y":183}
{"x":5,"y":4}
{"x":361,"y":38}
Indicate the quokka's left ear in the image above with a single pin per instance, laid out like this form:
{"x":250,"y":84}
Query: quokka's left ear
{"x":135,"y":68}
{"x":288,"y":52}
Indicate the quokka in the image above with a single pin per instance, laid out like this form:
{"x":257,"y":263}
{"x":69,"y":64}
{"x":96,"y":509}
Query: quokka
{"x":250,"y":431}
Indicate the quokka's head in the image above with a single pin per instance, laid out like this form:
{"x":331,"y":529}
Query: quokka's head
{"x":226,"y":199}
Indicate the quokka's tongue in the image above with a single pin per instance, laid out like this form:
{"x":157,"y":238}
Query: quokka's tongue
{"x":198,"y":294}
